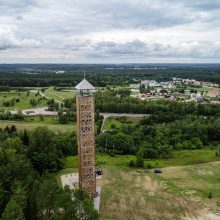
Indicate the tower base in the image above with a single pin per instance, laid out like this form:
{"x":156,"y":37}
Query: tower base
{"x":72,"y":180}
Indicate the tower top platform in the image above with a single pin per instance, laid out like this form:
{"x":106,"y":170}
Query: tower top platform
{"x":85,"y":85}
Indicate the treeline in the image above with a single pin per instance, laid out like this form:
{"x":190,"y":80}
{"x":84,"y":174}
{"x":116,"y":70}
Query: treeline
{"x":113,"y":101}
{"x":100,"y":75}
{"x":13,"y":117}
{"x":27,"y":184}
{"x":158,"y":140}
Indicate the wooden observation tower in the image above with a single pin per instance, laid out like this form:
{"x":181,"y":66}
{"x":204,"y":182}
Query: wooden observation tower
{"x":86,"y":137}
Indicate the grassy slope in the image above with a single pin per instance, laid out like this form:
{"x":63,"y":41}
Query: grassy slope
{"x":178,"y":192}
{"x":130,"y":193}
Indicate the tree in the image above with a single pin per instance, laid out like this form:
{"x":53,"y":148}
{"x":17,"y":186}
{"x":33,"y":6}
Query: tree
{"x":33,"y":102}
{"x":85,"y":206}
{"x":13,"y":211}
{"x":14,"y":143}
{"x":113,"y":126}
{"x":13,"y":129}
{"x":57,"y":203}
{"x":7,"y":130}
{"x":62,"y":117}
{"x":42,"y":150}
{"x":41,"y":117}
{"x":47,"y":197}
{"x":131,"y":163}
{"x":66,"y":143}
{"x":25,"y":138}
{"x":15,"y":207}
{"x":197,"y":142}
{"x":140,"y":158}
{"x":124,"y":92}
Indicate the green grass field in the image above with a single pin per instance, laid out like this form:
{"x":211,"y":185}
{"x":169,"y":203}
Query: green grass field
{"x":180,"y":158}
{"x":186,"y":157}
{"x":59,"y":95}
{"x":113,"y":120}
{"x":180,"y":192}
{"x":32,"y":123}
{"x":135,"y":92}
{"x":205,"y":89}
{"x":24,"y":100}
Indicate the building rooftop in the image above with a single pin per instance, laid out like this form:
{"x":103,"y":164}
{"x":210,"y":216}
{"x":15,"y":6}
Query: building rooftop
{"x":85,"y":85}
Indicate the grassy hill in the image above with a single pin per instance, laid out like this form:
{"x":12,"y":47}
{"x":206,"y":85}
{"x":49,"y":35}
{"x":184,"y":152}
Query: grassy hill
{"x":182,"y":191}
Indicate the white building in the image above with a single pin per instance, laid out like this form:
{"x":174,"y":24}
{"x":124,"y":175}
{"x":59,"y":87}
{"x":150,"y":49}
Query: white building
{"x":167,"y":85}
{"x":135,"y":86}
{"x":150,"y":83}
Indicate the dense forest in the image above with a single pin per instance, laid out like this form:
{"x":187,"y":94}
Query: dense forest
{"x":167,"y":125}
{"x":28,"y":189}
{"x":101,"y":75}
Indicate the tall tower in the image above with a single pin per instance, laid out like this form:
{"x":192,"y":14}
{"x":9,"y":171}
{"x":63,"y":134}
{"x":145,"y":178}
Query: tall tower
{"x":86,"y":137}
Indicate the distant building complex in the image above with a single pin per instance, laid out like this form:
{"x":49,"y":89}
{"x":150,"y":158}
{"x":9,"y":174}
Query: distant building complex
{"x":177,"y":89}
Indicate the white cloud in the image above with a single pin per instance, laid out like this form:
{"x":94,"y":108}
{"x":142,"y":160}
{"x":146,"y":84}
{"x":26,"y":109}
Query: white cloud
{"x":9,"y":40}
{"x":112,"y":30}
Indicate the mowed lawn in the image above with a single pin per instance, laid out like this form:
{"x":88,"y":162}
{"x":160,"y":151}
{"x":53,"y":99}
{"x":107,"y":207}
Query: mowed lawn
{"x":24,"y":100}
{"x":59,"y":95}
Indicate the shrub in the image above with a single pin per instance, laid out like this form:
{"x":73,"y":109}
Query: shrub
{"x":150,"y":166}
{"x":140,"y":158}
{"x":113,"y":126}
{"x":131,"y":163}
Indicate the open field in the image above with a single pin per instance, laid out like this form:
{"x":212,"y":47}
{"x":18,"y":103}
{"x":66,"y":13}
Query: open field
{"x":114,"y":121}
{"x":177,"y":193}
{"x":180,"y":158}
{"x":186,"y":157}
{"x":59,"y":95}
{"x":24,"y":100}
{"x":32,"y":124}
{"x":204,"y":89}
{"x":180,"y":192}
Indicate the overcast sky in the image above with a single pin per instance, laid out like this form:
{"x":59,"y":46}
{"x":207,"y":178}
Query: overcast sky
{"x":109,"y":31}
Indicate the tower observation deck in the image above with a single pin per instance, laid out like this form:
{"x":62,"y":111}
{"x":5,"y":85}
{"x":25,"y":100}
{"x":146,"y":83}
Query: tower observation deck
{"x":86,"y":137}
